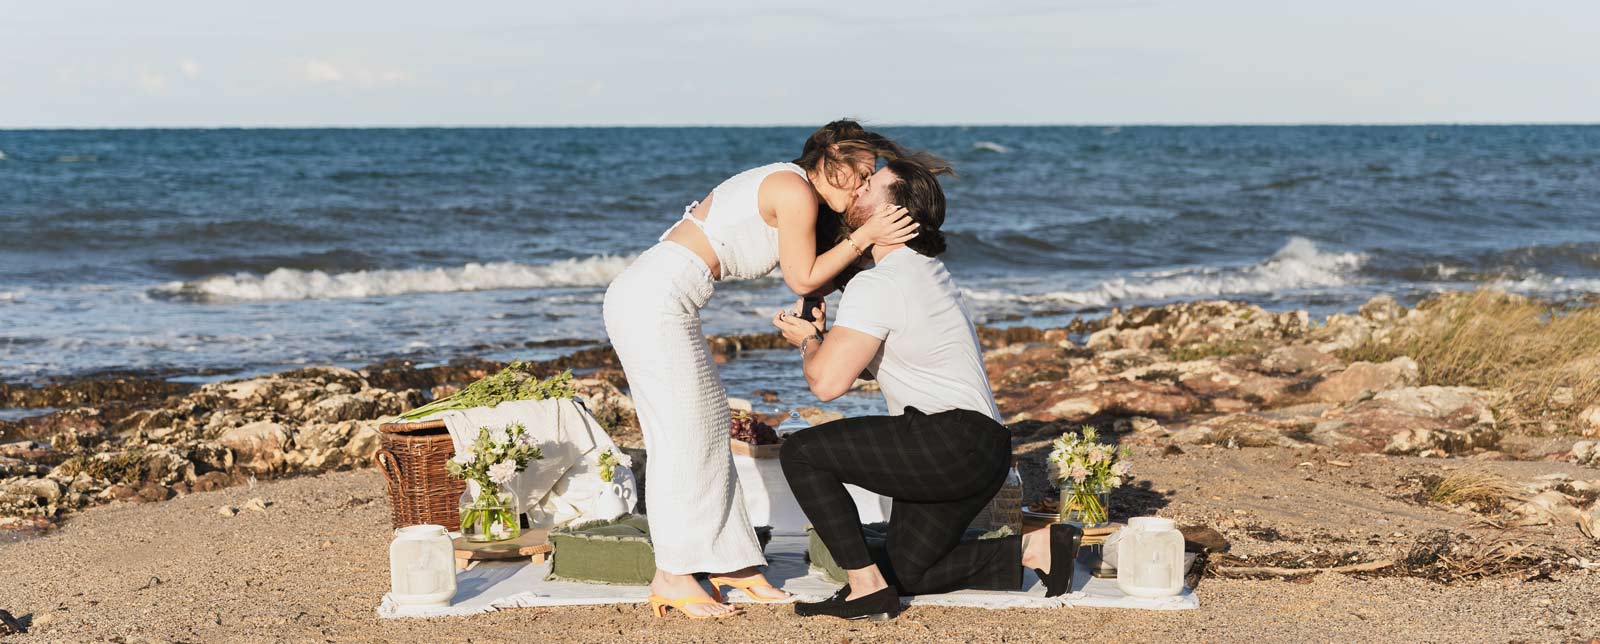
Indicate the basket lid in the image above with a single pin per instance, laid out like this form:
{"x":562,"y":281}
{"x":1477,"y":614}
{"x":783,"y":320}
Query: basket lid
{"x":407,"y":428}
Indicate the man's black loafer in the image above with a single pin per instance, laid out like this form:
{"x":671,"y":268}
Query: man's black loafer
{"x":880,"y":606}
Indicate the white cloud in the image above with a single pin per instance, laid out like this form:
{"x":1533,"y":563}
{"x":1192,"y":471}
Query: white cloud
{"x":356,"y":73}
{"x":189,"y":68}
{"x":149,"y":80}
{"x":322,"y":71}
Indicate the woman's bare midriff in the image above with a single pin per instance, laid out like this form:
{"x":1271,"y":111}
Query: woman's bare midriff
{"x":691,"y":237}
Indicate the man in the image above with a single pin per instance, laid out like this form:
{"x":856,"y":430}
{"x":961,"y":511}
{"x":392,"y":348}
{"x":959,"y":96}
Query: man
{"x":941,"y":454}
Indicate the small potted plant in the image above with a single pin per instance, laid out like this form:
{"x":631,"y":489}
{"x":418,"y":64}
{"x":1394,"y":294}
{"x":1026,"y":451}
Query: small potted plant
{"x":493,"y":462}
{"x":1087,"y":470}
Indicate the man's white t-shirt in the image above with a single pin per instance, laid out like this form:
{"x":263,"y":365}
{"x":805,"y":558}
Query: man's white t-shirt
{"x":931,"y":358}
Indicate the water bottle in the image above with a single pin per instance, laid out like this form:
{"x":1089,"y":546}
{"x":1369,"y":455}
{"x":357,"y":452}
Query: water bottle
{"x":792,"y":424}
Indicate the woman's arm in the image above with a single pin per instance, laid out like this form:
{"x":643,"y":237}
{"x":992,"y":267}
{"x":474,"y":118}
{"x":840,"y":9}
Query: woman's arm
{"x":795,"y":204}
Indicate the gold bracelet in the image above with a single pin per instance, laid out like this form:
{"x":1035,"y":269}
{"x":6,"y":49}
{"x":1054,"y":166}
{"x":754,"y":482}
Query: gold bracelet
{"x":853,"y":245}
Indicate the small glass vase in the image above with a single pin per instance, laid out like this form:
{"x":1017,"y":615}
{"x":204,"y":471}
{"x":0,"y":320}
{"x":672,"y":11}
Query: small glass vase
{"x":1086,"y":505}
{"x":495,"y":515}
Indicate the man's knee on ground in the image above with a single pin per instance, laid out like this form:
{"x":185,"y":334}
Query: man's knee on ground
{"x":790,"y":450}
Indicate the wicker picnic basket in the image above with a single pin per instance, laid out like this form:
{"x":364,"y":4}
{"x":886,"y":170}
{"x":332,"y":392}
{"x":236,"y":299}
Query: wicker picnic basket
{"x":412,"y":457}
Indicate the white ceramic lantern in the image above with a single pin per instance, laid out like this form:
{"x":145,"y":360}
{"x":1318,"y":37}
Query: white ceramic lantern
{"x":1150,"y":558}
{"x":422,"y":567}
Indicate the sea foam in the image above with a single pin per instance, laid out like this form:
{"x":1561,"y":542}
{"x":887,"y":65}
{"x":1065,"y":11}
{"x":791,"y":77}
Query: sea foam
{"x":296,"y":284}
{"x":1298,"y":265}
{"x":991,"y":146}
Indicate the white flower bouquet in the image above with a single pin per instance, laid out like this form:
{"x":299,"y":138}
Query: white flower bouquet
{"x":1087,"y":470}
{"x":493,"y":461}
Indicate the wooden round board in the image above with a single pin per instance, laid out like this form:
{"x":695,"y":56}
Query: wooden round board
{"x":533,"y":544}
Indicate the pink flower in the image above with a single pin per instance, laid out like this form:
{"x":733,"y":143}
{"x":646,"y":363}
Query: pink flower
{"x":1122,"y":468}
{"x":1078,"y":473}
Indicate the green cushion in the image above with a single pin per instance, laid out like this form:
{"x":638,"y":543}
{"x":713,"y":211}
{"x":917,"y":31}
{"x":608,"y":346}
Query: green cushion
{"x":610,"y":552}
{"x":876,"y":535}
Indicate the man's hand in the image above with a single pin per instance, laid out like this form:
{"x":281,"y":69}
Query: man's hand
{"x":796,"y":330}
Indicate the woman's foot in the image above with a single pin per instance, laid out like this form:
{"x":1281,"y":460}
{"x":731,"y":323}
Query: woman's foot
{"x":764,"y":592}
{"x":673,"y":586}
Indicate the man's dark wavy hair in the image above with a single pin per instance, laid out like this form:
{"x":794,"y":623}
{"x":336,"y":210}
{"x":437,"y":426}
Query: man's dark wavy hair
{"x":917,"y":190}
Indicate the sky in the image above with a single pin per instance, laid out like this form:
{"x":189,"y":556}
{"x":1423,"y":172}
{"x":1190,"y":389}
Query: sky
{"x":183,"y":63}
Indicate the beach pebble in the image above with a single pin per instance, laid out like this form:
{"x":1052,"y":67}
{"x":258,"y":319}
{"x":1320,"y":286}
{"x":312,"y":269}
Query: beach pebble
{"x":227,"y":511}
{"x":256,"y":505}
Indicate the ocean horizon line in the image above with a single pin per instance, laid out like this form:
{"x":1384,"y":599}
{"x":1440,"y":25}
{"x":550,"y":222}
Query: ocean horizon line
{"x":870,"y":123}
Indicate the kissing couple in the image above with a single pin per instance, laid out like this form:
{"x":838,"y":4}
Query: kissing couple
{"x":941,"y":454}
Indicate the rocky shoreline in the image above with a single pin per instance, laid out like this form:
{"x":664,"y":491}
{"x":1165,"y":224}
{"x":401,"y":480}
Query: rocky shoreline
{"x":1200,"y":375}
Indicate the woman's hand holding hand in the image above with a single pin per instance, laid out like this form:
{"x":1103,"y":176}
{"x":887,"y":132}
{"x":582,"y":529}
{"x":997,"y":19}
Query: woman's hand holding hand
{"x":888,"y":226}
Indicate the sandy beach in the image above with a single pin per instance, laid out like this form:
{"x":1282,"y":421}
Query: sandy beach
{"x":313,"y":565}
{"x":244,"y":510}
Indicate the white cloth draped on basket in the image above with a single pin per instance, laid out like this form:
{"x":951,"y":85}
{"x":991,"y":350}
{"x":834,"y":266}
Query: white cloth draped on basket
{"x":563,"y":487}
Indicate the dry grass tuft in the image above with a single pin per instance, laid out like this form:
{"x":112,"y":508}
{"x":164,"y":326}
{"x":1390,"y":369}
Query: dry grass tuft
{"x":1487,"y":491}
{"x":1544,"y":359}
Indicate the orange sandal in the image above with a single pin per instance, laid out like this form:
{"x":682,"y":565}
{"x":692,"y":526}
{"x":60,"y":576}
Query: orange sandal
{"x":757,"y":581}
{"x":659,"y":605}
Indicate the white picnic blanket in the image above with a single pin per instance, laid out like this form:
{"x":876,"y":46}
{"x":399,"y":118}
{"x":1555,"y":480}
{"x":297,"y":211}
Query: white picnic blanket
{"x":493,"y":586}
{"x":769,"y":501}
{"x":563,"y":487}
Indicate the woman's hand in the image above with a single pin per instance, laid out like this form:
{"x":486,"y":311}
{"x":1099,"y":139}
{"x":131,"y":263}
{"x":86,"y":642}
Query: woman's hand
{"x":888,"y":226}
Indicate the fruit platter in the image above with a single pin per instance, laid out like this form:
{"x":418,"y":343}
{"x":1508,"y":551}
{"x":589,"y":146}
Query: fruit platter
{"x":751,"y":437}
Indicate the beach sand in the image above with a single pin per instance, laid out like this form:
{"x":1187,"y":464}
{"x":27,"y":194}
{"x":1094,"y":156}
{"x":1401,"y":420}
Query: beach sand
{"x":313,"y":566}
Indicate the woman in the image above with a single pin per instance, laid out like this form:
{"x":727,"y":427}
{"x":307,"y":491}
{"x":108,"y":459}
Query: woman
{"x":759,"y":219}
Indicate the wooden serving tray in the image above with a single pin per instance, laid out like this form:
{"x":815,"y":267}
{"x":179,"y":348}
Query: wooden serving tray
{"x":531,"y":544}
{"x":742,"y":448}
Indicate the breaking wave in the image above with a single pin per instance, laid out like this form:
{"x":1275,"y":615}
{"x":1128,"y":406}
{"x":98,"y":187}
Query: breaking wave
{"x":1298,"y":265}
{"x":991,"y":146}
{"x":296,"y":284}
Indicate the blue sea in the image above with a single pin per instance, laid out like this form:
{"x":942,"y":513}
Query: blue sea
{"x":206,"y":254}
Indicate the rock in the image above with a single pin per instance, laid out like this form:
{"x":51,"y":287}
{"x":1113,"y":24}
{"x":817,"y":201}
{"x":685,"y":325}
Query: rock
{"x":1362,"y":377}
{"x":1546,"y":507}
{"x":1412,"y":420}
{"x":1586,"y":453}
{"x":1439,"y":402}
{"x":151,"y":493}
{"x":1071,"y":409}
{"x":256,"y":505}
{"x":121,"y":492}
{"x":342,"y":407}
{"x":363,"y":442}
{"x":211,"y":481}
{"x":612,"y":409}
{"x":817,"y":416}
{"x":1204,"y":537}
{"x":26,"y":450}
{"x":1589,"y":421}
{"x":1382,"y":309}
{"x":258,"y":446}
{"x":1245,"y":430}
{"x":1300,"y":359}
{"x":227,"y":511}
{"x":28,"y":496}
